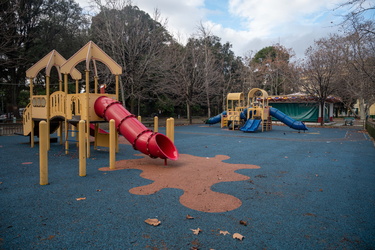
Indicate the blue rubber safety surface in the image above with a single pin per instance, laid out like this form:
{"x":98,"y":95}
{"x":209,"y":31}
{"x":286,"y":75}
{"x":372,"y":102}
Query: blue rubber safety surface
{"x":313,"y":190}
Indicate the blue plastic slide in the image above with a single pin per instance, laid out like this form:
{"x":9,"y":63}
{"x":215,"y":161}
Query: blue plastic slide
{"x":287,"y":120}
{"x":251,"y":125}
{"x":216,"y":118}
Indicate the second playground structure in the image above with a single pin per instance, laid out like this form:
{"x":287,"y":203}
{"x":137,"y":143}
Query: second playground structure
{"x":257,"y":112}
{"x":63,"y":110}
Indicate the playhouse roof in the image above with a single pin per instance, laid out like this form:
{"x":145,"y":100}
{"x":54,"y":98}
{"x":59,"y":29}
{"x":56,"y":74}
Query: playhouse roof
{"x":300,"y":98}
{"x":235,"y":96}
{"x":91,"y":52}
{"x":52,"y":59}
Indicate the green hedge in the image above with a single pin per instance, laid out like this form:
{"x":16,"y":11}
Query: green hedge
{"x":370,"y":127}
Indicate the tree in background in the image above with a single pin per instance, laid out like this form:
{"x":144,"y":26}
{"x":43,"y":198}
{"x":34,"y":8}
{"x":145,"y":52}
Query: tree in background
{"x":202,"y":72}
{"x":358,"y":67}
{"x":31,"y":29}
{"x":321,"y":70}
{"x":137,"y":42}
{"x":272,"y":70}
{"x":231,"y":68}
{"x":185,"y":76}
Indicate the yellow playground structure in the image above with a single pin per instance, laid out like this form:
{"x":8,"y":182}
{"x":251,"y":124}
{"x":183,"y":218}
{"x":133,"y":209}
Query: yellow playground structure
{"x":258,"y":108}
{"x":238,"y":112}
{"x":63,"y":110}
{"x":255,"y":113}
{"x":235,"y":105}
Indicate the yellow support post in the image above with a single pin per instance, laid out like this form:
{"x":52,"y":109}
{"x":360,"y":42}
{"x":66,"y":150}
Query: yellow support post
{"x":96,"y":84}
{"x":96,"y":132}
{"x":60,"y":132}
{"x":170,"y":129}
{"x":86,"y":112}
{"x":66,"y":124}
{"x":32,"y":133}
{"x":167,"y":128}
{"x":48,"y":107}
{"x":117,"y":85}
{"x":112,"y":144}
{"x":156,"y":124}
{"x":82,"y":148}
{"x":140,"y":118}
{"x":77,"y":87}
{"x":31,"y":81}
{"x":43,"y":153}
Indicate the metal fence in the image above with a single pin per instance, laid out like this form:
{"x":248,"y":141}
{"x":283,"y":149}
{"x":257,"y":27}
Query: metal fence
{"x":370,"y":127}
{"x":10,"y":128}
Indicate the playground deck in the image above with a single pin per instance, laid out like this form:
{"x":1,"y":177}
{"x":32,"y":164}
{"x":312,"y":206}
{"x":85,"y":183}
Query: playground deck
{"x":279,"y":189}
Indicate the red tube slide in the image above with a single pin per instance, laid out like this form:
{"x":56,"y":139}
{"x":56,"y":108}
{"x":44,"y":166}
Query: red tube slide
{"x":145,"y":140}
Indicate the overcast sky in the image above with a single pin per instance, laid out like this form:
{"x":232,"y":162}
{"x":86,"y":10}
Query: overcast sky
{"x":249,"y":25}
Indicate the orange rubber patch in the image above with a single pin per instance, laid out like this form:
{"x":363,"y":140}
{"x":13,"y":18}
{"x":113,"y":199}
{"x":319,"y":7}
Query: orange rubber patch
{"x":192,"y":174}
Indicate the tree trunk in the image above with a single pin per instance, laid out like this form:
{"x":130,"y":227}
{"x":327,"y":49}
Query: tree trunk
{"x":122,"y":93}
{"x":223,"y":103}
{"x":362,"y":109}
{"x":139,"y":106}
{"x":322,"y":107}
{"x":208,"y":107}
{"x":132,"y":104}
{"x":188,"y":113}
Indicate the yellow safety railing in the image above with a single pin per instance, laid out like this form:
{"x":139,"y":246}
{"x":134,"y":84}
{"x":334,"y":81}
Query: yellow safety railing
{"x":57,"y":104}
{"x":27,"y":121}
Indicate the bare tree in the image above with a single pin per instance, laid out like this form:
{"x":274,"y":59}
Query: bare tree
{"x":321,"y":70}
{"x":210,"y":66}
{"x":134,"y":40}
{"x":359,"y":11}
{"x":358,"y":71}
{"x":184,"y":76}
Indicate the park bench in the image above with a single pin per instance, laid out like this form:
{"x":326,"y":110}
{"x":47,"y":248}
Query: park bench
{"x":349,"y":121}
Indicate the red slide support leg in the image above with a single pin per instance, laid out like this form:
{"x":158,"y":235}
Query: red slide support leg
{"x":145,"y":140}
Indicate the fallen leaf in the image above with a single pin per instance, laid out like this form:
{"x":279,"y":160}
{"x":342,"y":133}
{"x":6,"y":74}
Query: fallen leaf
{"x":310,"y":214}
{"x":238,"y":236}
{"x":153,"y":222}
{"x":189,"y":217}
{"x":224,"y":232}
{"x":242,"y":222}
{"x":80,"y":199}
{"x":196,"y":231}
{"x":49,"y":237}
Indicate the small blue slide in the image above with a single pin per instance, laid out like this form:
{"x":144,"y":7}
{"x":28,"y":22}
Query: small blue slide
{"x":251,"y":125}
{"x":216,"y":118}
{"x":298,"y":125}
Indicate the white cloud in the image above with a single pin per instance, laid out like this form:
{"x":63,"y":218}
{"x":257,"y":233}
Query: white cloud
{"x":257,"y":24}
{"x":267,"y":16}
{"x":183,"y":16}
